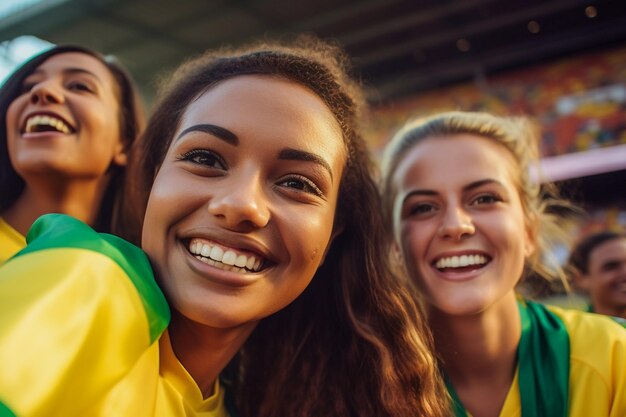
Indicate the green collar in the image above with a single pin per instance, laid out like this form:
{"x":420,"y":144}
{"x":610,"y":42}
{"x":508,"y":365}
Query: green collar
{"x":543,"y":362}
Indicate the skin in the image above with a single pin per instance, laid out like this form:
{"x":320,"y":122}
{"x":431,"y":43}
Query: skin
{"x":458,"y":196}
{"x":606,"y":280}
{"x":254,"y":168}
{"x":64,"y":171}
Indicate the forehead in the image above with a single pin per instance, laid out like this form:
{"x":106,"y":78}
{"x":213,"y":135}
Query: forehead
{"x":611,"y":249}
{"x":75,"y":60}
{"x":261,"y":105}
{"x":459,"y":158}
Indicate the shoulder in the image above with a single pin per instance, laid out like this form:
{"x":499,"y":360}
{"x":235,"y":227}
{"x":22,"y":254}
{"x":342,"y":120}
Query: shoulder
{"x":597,"y":363}
{"x":589,"y":328}
{"x":596,"y":342}
{"x":65,"y":250}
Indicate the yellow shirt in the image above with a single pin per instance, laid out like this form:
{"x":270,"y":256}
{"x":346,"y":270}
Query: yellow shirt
{"x":178,"y":394}
{"x":159,"y":386}
{"x":597,"y":367}
{"x":83,"y":332}
{"x":11,"y":241}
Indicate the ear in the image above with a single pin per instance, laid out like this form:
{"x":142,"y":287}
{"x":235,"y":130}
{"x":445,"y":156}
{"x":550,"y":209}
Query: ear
{"x":529,"y":248}
{"x":396,"y":253}
{"x":530,"y":239}
{"x":120,"y":157}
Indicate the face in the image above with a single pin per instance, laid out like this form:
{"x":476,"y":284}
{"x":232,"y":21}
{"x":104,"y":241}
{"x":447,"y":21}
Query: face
{"x":241,"y":211}
{"x":65,"y":123}
{"x":459,"y":222}
{"x":606,"y":280}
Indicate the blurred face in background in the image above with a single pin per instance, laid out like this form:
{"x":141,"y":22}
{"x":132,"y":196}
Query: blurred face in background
{"x":65,"y":124}
{"x":606,"y":280}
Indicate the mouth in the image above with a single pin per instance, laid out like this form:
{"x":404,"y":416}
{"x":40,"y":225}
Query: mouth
{"x":461,"y":263}
{"x":227,"y":259}
{"x":47,"y":123}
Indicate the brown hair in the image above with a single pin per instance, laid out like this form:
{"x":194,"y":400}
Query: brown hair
{"x":353,"y":344}
{"x":579,"y":257}
{"x":131,"y":122}
{"x":546,"y":214}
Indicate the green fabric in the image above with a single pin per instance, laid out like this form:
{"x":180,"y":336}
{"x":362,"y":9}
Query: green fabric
{"x":54,"y":231}
{"x":543,"y":362}
{"x":5,"y":411}
{"x":457,"y":405}
{"x":543,"y":355}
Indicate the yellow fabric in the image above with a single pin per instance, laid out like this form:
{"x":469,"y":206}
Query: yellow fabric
{"x":159,"y":386}
{"x":179,"y":395}
{"x":61,"y":322}
{"x":64,"y":311}
{"x":11,"y":241}
{"x":597,"y":367}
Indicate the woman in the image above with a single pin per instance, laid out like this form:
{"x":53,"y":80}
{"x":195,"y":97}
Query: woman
{"x":263,"y":224}
{"x":469,"y":222}
{"x":70,"y":116}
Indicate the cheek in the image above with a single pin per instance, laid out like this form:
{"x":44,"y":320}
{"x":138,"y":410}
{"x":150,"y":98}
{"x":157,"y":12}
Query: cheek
{"x":12,"y":117}
{"x":307,"y":237}
{"x":163,"y":199}
{"x":413,"y":243}
{"x":412,"y":238}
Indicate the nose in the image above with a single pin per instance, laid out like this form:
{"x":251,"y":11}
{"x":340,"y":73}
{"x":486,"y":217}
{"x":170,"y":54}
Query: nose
{"x":45,"y":92}
{"x":241,"y":203}
{"x":457,"y":224}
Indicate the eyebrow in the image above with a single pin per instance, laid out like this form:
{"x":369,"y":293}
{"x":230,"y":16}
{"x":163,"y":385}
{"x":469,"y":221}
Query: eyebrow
{"x":468,"y":187}
{"x":217,"y":131}
{"x":299,"y":155}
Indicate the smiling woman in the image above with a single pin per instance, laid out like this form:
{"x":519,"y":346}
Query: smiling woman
{"x":469,"y":223}
{"x":70,"y":117}
{"x":255,"y":202}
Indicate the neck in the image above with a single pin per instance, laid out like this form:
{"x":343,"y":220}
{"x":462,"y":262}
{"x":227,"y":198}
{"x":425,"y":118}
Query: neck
{"x":479,"y":353}
{"x":609,"y":310}
{"x":80,"y":199}
{"x":205,"y":351}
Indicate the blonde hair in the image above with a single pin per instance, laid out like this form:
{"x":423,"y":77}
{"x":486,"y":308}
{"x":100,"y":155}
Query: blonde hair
{"x":547,"y":215}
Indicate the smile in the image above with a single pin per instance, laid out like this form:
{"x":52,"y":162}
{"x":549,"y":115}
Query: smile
{"x":462,"y":261}
{"x":46,"y":123}
{"x":227,"y":259}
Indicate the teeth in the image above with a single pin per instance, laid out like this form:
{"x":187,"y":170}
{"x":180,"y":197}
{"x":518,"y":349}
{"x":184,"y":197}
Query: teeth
{"x":51,"y":121}
{"x":216,"y":253}
{"x":241,"y":261}
{"x":460,"y":261}
{"x":227,"y":260}
{"x":221,"y":265}
{"x":229,"y":257}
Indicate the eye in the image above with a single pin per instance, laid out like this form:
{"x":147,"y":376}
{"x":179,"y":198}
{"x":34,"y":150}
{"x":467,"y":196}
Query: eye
{"x":486,"y":199}
{"x":301,"y":183}
{"x":80,"y":86}
{"x":421,"y":209}
{"x":610,"y":266}
{"x":205,"y":158}
{"x":26,"y":87}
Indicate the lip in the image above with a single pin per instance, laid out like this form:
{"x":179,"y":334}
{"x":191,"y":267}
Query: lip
{"x":242,"y":243}
{"x":460,"y":276}
{"x":219,"y":276}
{"x":44,"y":113}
